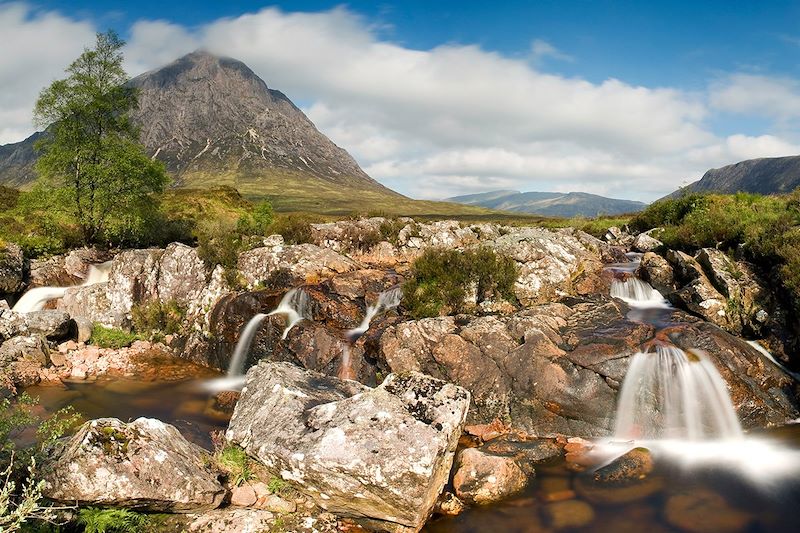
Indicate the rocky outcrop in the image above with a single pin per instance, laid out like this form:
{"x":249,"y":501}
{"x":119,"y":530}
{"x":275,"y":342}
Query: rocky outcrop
{"x":557,"y":368}
{"x":657,"y":271}
{"x":380,"y":454}
{"x":65,"y":270}
{"x":12,"y":268}
{"x":304,"y":263}
{"x":645,"y":242}
{"x":54,"y":325}
{"x":144,"y":464}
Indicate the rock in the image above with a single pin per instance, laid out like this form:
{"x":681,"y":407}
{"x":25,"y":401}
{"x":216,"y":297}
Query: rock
{"x":644,"y":242}
{"x":55,"y":325}
{"x":306,"y":263}
{"x":617,"y":237}
{"x":12,"y":268}
{"x":228,"y":520}
{"x":685,"y":267}
{"x":486,"y":432}
{"x":276,"y":504}
{"x":556,"y":489}
{"x":657,"y":271}
{"x":144,"y":464}
{"x":617,"y":494}
{"x":23,"y":358}
{"x":568,"y":514}
{"x":482,"y":478}
{"x":381,"y":454}
{"x":243,"y":496}
{"x":449,"y":504}
{"x":84,"y":329}
{"x":703,"y":511}
{"x":701,"y":298}
{"x":65,"y":270}
{"x":636,"y":464}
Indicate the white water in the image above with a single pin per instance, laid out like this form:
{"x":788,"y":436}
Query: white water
{"x":236,"y":365}
{"x":387,"y":300}
{"x":36,"y":298}
{"x":638,"y":293}
{"x":295,"y":305}
{"x":668,"y":394}
{"x":763,"y":351}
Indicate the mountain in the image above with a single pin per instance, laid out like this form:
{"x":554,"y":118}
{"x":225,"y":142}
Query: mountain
{"x":213,"y":121}
{"x":769,"y":175}
{"x":554,"y":204}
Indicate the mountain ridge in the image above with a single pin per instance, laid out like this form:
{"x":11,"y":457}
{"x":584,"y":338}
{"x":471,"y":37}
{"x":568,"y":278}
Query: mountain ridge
{"x":765,"y":175}
{"x":550,"y":203}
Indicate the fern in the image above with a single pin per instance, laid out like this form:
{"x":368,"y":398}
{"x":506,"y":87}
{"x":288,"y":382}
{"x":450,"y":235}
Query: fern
{"x":96,"y":520}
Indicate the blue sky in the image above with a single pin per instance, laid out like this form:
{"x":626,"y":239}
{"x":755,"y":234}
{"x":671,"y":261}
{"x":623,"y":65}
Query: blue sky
{"x":627,"y":99}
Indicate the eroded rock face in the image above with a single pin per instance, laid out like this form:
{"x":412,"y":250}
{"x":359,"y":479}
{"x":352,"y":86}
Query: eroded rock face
{"x":144,"y":464}
{"x":381,"y":454}
{"x":12,"y":268}
{"x":557,"y":368}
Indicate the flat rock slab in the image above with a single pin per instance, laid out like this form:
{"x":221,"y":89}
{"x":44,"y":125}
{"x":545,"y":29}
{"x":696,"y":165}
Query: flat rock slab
{"x":380,"y":454}
{"x":144,"y":464}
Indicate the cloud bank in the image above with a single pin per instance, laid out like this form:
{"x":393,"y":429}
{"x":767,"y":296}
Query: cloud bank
{"x":449,"y":120}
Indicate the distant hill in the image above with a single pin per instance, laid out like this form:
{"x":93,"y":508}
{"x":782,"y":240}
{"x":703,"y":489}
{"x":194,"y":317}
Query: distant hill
{"x":214,"y":122}
{"x":769,"y":175}
{"x":552,"y":204}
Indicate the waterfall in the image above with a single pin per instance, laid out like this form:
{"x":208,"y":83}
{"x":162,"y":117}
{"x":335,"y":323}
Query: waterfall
{"x":296,"y":306}
{"x":636,"y":292}
{"x":669,"y":394}
{"x":345,"y":366}
{"x":36,"y":298}
{"x":387,"y":300}
{"x":236,"y":365}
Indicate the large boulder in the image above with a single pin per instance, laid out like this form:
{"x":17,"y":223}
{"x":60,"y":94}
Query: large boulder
{"x":380,"y":454}
{"x":657,"y":271}
{"x":645,"y":242}
{"x":304,"y":263}
{"x":23,"y":358}
{"x":55,"y":325}
{"x":144,"y":464}
{"x":65,"y":270}
{"x":12,"y":268}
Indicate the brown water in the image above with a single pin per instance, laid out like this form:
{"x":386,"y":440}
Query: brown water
{"x":675,"y":497}
{"x":170,"y":390}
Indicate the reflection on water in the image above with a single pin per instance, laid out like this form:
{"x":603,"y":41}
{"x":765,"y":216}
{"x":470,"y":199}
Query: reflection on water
{"x":691,"y":489}
{"x":177,"y":397}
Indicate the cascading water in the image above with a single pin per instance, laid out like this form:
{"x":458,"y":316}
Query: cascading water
{"x":36,"y":298}
{"x":296,"y":306}
{"x":236,"y":365}
{"x":387,"y":300}
{"x":636,"y":292}
{"x":669,"y":394}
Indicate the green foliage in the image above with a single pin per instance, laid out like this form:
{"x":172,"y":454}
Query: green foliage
{"x":220,"y":244}
{"x":295,"y":228}
{"x":440,"y":280}
{"x":156,"y":318}
{"x":276,"y":485}
{"x":257,"y":222}
{"x":111,"y":337}
{"x":763,"y":229}
{"x":92,"y":165}
{"x":9,"y":197}
{"x":234,"y":461}
{"x":96,"y":520}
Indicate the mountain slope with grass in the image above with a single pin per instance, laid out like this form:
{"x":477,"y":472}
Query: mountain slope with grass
{"x":213,"y":122}
{"x":769,"y":175}
{"x":553,"y":204}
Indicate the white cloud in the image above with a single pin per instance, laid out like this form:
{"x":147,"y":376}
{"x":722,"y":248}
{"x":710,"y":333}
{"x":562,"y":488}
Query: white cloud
{"x":36,"y":47}
{"x":777,"y":98}
{"x":541,"y":49}
{"x":458,"y":118}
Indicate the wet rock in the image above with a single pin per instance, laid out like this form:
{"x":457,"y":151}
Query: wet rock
{"x":645,"y":242}
{"x":568,"y":514}
{"x":701,"y":298}
{"x":144,"y":464}
{"x":703,"y":511}
{"x":12,"y":268}
{"x":657,"y":271}
{"x":556,"y":489}
{"x":612,"y":494}
{"x":381,"y":454}
{"x":482,"y":478}
{"x":449,"y":504}
{"x":636,"y":464}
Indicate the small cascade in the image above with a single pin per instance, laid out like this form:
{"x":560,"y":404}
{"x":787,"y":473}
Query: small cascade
{"x":296,"y":305}
{"x":236,"y":365}
{"x":36,"y":298}
{"x":346,"y":365}
{"x":636,"y":292}
{"x":387,"y":300}
{"x":669,"y":394}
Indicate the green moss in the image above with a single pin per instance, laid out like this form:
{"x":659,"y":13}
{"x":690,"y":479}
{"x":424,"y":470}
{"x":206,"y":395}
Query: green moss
{"x":156,"y":318}
{"x":234,"y":461}
{"x":111,"y":337}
